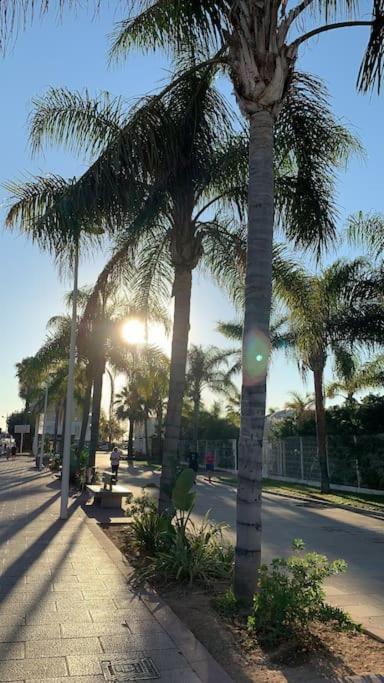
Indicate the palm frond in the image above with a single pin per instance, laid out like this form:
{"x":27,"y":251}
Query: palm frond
{"x":372,"y":67}
{"x":75,"y":120}
{"x":367,"y":230}
{"x":172,"y":24}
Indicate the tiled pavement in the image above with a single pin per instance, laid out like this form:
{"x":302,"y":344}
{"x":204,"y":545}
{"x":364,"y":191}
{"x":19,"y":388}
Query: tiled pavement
{"x":66,"y":612}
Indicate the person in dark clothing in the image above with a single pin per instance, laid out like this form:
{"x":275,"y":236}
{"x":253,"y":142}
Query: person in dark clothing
{"x":193,"y":462}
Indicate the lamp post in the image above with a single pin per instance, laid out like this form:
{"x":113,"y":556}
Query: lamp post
{"x":70,"y":388}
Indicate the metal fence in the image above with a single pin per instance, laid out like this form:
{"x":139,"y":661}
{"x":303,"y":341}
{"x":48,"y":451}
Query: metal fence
{"x":224,"y":451}
{"x":356,"y":463}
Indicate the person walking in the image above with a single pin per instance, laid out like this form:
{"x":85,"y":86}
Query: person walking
{"x":13,"y":452}
{"x":210,"y":465}
{"x":115,"y":460}
{"x":8,"y":452}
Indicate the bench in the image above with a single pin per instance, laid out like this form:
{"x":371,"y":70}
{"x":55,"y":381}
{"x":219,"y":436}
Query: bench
{"x":109,"y":478}
{"x":109,"y":498}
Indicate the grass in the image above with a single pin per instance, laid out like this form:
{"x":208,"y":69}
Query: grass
{"x":363,"y":501}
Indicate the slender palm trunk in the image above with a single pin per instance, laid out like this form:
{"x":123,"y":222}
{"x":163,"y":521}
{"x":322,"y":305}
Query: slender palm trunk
{"x":56,"y":427}
{"x":321,"y":427}
{"x":130,"y":441}
{"x":111,"y":407}
{"x":85,"y":416}
{"x":182,"y":291}
{"x":256,"y":348}
{"x":147,"y":454}
{"x":62,"y":429}
{"x":96,"y":409}
{"x":196,"y":417}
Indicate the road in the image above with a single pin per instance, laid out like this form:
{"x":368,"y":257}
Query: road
{"x":356,"y":538}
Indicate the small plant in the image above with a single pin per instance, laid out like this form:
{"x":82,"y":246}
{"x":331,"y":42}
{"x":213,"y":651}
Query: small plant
{"x":227,"y":604}
{"x":291,"y":597}
{"x":176,"y":548}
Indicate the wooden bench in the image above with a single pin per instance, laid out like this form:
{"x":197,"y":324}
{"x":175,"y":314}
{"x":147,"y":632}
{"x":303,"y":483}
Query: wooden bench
{"x":109,"y":498}
{"x":109,"y":479}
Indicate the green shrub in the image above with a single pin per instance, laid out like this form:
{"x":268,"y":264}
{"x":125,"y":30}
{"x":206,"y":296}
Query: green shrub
{"x":193,"y":554}
{"x":291,"y":597}
{"x":227,"y":604}
{"x":176,"y":548}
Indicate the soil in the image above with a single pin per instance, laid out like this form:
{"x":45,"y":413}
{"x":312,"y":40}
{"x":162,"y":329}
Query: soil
{"x":334,"y":656}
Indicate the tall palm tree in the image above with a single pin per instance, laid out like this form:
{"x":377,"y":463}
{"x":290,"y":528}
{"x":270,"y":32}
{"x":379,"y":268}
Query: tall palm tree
{"x":328,"y":316}
{"x":258,"y":42}
{"x":204,"y":371}
{"x":164,"y":145}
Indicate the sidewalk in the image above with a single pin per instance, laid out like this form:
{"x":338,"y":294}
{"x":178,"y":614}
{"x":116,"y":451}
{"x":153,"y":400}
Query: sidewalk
{"x":66,"y":612}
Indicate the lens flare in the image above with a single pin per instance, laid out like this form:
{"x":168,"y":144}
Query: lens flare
{"x":257,"y":350}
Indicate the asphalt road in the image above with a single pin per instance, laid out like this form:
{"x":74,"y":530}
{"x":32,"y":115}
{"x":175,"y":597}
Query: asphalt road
{"x":356,"y":538}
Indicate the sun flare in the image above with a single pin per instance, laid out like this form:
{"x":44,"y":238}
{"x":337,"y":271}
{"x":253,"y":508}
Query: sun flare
{"x":133,"y":332}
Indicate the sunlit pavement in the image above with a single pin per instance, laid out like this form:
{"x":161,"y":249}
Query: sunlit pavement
{"x":356,"y":538}
{"x":66,"y":611}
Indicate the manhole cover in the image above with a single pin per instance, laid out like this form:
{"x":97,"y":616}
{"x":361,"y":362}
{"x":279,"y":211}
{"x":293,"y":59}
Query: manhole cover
{"x":122,"y":670}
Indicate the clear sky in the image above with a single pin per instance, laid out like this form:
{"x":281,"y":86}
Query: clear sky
{"x":73,"y":53}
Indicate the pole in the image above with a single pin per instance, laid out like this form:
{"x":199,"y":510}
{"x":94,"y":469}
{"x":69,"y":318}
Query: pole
{"x":70,"y":387}
{"x":41,"y":456}
{"x":21,"y":442}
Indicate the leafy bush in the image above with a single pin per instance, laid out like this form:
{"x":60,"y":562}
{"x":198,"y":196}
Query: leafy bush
{"x":195,"y":554}
{"x":227,"y":604}
{"x":291,"y":597}
{"x":176,"y":548}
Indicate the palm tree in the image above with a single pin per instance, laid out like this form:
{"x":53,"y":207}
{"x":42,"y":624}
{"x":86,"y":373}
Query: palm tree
{"x":357,"y":377}
{"x":328,"y":315}
{"x":251,"y":39}
{"x":300,"y":405}
{"x":178,"y":155}
{"x":204,"y":371}
{"x":367,"y":230}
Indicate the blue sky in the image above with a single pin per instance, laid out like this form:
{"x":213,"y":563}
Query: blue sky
{"x":73,"y":53}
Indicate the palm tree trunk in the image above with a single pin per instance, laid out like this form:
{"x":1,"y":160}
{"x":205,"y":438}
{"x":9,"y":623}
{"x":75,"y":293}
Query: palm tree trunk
{"x":147,"y":454}
{"x":182,"y":291}
{"x":85,"y":417}
{"x":62,"y":429}
{"x":56,"y":427}
{"x":96,"y":409}
{"x":256,"y":349}
{"x":130,"y":441}
{"x":111,"y":406}
{"x":196,"y":417}
{"x":321,"y":427}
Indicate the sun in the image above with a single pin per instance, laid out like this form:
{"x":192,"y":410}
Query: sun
{"x":133,"y":332}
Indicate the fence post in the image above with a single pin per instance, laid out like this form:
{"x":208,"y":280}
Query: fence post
{"x":301,"y":458}
{"x":284,"y":461}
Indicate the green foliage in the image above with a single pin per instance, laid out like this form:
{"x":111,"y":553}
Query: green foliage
{"x":200,"y":555}
{"x":183,"y":498}
{"x":177,"y":549}
{"x":227,"y":605}
{"x":291,"y":597}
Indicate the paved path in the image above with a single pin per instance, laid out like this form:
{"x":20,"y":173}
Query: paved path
{"x":66,"y":612}
{"x":357,"y":538}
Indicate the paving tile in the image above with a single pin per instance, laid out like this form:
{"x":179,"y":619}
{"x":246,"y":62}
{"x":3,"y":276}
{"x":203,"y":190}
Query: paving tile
{"x":125,"y":642}
{"x":97,"y":629}
{"x":12,"y":651}
{"x":62,"y":647}
{"x":75,"y":616}
{"x":22,"y":633}
{"x":22,"y":669}
{"x":117,"y":615}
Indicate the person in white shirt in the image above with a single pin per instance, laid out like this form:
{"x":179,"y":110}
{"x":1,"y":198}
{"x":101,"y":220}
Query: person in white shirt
{"x":115,"y":460}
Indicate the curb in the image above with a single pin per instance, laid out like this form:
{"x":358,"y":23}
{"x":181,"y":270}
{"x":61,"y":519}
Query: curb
{"x":206,"y":668}
{"x":316,"y":501}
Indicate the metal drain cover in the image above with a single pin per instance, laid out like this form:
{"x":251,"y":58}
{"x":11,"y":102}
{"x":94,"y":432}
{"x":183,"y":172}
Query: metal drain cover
{"x":127,"y":669}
